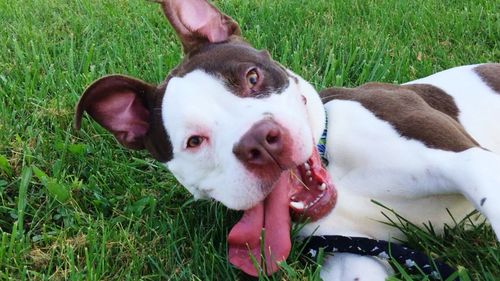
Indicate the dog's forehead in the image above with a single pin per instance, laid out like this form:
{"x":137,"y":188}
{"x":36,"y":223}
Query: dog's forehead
{"x":215,"y":58}
{"x":230,"y":61}
{"x":211,"y":73}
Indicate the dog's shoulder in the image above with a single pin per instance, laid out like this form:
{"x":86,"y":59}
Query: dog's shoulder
{"x":417,"y":111}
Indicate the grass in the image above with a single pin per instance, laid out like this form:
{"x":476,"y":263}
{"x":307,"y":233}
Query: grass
{"x":76,"y":206}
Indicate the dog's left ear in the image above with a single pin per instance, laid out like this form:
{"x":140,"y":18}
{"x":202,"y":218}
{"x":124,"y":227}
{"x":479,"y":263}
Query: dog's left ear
{"x":120,"y":104}
{"x":198,"y":22}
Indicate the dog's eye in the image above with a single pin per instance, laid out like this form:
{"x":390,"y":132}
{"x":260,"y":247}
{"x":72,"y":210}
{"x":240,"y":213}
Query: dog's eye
{"x":252,"y":77}
{"x":194,"y":141}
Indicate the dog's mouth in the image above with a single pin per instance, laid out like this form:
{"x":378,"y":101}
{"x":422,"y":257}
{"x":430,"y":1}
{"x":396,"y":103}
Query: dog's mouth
{"x":312,"y":194}
{"x":305,"y":192}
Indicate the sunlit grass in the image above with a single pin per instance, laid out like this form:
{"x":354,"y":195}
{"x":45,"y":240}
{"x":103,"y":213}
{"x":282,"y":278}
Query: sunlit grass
{"x":76,"y":206}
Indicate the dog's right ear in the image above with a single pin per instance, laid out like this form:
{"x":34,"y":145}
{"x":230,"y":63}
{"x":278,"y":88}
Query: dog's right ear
{"x":198,"y":22}
{"x":121,"y":105}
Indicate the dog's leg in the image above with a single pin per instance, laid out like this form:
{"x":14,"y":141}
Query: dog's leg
{"x":476,"y":172}
{"x":352,"y":267}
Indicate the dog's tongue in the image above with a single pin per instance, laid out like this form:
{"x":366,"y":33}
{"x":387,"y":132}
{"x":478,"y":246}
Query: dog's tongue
{"x":271,"y":216}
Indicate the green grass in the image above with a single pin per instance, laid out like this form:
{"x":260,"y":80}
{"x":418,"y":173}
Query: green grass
{"x":76,"y":206}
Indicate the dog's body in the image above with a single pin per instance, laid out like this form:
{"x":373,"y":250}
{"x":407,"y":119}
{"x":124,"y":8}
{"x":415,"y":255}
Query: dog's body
{"x":416,"y":169}
{"x":233,"y":125}
{"x":419,"y":176}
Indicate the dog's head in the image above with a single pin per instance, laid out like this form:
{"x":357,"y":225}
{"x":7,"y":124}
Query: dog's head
{"x":229,"y":122}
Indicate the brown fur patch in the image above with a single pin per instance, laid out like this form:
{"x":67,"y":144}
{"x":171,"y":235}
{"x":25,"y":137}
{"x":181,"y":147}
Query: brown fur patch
{"x":490,"y":74}
{"x":421,"y":112}
{"x":230,"y":61}
{"x":157,"y":140}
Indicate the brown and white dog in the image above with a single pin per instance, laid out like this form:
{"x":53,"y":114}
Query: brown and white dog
{"x":233,"y":125}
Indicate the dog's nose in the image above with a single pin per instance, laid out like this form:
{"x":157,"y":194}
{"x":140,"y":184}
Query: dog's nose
{"x":261,"y":145}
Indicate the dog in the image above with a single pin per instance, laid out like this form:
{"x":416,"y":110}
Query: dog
{"x":235,"y":126}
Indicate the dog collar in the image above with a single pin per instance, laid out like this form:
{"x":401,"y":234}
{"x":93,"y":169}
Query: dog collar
{"x":415,"y":261}
{"x":321,"y":146}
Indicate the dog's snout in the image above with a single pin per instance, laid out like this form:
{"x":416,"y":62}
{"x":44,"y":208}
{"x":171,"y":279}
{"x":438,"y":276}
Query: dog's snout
{"x":261,"y":145}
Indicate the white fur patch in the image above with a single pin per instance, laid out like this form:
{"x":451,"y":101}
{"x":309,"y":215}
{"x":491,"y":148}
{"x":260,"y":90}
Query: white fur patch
{"x":370,"y":160}
{"x":344,"y":266}
{"x":200,"y":104}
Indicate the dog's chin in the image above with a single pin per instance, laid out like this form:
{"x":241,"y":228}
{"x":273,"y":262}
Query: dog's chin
{"x":263,"y":188}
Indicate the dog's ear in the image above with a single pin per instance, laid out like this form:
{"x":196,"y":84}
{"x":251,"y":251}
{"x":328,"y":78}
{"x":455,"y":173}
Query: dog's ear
{"x":198,"y":22}
{"x":121,"y":105}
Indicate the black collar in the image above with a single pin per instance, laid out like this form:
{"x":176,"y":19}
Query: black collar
{"x":413,"y":260}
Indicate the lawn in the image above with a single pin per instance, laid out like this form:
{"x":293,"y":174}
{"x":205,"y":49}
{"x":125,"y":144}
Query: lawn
{"x":77,"y":206}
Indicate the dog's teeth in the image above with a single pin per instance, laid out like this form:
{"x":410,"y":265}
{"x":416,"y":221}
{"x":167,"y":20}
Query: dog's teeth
{"x":308,"y":173}
{"x":307,"y":166}
{"x":322,"y":186}
{"x":297,"y":205}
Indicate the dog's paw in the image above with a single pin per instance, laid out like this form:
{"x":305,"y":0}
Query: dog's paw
{"x":351,"y":267}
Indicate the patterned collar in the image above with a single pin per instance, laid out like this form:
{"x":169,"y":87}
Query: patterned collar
{"x":413,"y":260}
{"x":321,"y":146}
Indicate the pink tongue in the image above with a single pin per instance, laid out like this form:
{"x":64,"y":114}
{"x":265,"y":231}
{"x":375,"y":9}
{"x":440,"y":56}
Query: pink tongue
{"x":273,"y":216}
